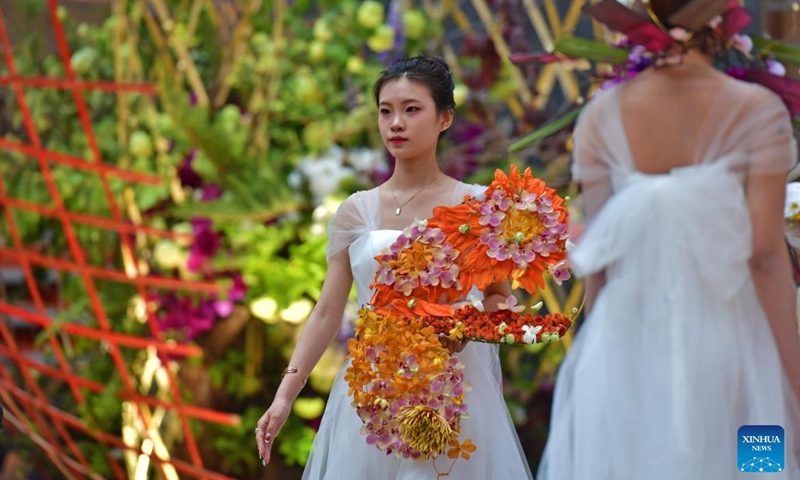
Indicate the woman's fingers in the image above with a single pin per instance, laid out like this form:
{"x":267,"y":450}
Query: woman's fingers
{"x":266,"y":430}
{"x":454,"y":346}
{"x":269,"y":436}
{"x":261,"y":428}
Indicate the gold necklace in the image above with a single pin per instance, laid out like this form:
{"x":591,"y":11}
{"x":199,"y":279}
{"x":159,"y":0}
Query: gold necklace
{"x":401,"y":205}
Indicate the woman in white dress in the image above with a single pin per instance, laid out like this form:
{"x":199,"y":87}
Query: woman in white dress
{"x":690,"y":331}
{"x":415,"y":102}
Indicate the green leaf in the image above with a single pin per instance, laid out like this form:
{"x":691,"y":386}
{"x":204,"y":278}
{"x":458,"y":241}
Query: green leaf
{"x":550,"y":128}
{"x":783,"y":52}
{"x":591,"y":50}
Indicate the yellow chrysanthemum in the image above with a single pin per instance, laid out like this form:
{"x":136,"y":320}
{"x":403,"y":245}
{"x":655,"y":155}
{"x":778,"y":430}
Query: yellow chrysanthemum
{"x":423,"y":429}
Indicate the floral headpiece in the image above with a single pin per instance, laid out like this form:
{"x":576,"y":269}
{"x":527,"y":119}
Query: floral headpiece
{"x":647,"y":41}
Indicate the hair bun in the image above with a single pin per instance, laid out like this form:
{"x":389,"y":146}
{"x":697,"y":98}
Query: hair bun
{"x":439,"y":61}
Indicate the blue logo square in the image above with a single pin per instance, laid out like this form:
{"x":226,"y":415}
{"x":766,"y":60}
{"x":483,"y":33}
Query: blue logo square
{"x":761,"y":449}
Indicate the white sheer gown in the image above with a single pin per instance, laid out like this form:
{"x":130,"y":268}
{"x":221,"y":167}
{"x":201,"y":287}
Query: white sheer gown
{"x":340,"y":451}
{"x":677,"y":353}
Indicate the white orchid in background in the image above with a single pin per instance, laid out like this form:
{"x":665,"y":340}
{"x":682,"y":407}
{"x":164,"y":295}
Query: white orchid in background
{"x":326,"y":172}
{"x":365,"y":160}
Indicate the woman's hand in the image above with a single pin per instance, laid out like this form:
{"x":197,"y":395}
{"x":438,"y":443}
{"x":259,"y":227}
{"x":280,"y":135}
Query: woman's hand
{"x":268,"y":427}
{"x":452,"y":344}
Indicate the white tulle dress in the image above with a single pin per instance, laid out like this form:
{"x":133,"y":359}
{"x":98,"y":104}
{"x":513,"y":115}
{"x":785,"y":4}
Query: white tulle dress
{"x":677,"y":353}
{"x":340,"y":451}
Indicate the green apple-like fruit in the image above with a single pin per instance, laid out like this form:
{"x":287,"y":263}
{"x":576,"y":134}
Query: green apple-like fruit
{"x":414,"y":24}
{"x":322,"y":31}
{"x":382,"y":40}
{"x":370,"y":14}
{"x":140,"y":144}
{"x":355,"y":65}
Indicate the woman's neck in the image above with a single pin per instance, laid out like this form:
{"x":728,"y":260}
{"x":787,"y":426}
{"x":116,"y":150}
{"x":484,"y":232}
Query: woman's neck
{"x":410,"y":174}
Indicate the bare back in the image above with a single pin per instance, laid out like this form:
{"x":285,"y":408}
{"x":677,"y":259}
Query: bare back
{"x":665,"y":114}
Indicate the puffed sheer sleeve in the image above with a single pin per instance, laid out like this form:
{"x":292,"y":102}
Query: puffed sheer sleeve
{"x":768,"y":136}
{"x":591,"y":163}
{"x":350,"y":222}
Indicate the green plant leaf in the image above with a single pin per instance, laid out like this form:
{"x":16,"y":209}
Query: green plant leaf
{"x":781,"y":51}
{"x":591,"y":50}
{"x":550,"y":128}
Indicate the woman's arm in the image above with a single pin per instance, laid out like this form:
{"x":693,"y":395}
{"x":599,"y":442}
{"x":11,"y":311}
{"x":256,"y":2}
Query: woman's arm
{"x":318,"y":332}
{"x":592,"y":286}
{"x":771,"y":270}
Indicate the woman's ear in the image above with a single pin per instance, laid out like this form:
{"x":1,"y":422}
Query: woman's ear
{"x":446,"y":119}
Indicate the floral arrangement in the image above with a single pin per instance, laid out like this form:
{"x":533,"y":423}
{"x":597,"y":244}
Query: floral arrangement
{"x":647,"y":42}
{"x":406,"y":387}
{"x":507,"y":325}
{"x":516,"y":230}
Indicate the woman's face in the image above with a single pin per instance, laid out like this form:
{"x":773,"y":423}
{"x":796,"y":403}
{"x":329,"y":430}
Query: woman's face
{"x":408,"y":120}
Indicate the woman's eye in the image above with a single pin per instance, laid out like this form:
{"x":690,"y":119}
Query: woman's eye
{"x":384,"y":111}
{"x":412,"y":109}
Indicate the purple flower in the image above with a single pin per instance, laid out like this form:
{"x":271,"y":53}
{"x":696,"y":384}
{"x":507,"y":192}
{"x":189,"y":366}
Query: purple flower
{"x":206,"y":243}
{"x":212,"y":191}
{"x":183,"y":316}
{"x":239,"y":288}
{"x":187,"y":174}
{"x":223,"y":308}
{"x":206,"y":240}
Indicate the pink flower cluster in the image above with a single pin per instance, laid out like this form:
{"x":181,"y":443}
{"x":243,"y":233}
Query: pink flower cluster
{"x":510,"y":232}
{"x":443,"y":393}
{"x":433,"y":264}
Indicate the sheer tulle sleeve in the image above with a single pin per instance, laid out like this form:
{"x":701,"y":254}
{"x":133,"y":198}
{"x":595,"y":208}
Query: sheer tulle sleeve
{"x":591,"y":163}
{"x":766,"y":136}
{"x":352,"y":220}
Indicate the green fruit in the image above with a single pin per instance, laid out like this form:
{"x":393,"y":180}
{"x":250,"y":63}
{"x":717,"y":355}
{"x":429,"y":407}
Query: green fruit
{"x":382,"y":40}
{"x":316,"y":51}
{"x":230,"y":116}
{"x":83,"y":59}
{"x":370,"y":14}
{"x":307,"y":90}
{"x":322,"y":31}
{"x":414,"y":24}
{"x":260,"y":42}
{"x":355,"y":65}
{"x":62,"y":14}
{"x":164,"y":123}
{"x":140,"y":144}
{"x":308,"y":408}
{"x":460,"y":94}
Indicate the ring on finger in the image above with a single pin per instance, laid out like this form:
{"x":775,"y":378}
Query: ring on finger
{"x":258,"y":430}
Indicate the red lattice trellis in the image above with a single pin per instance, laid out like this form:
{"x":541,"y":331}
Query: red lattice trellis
{"x":28,"y":410}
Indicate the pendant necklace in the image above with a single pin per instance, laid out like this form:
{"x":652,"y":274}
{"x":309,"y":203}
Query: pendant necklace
{"x":400,"y":206}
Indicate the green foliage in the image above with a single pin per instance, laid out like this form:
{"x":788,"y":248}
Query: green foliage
{"x":550,"y":128}
{"x":229,"y":374}
{"x":295,"y":443}
{"x":591,"y":50}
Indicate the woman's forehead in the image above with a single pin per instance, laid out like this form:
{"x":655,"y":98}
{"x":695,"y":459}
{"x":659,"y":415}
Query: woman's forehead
{"x":402,"y":90}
